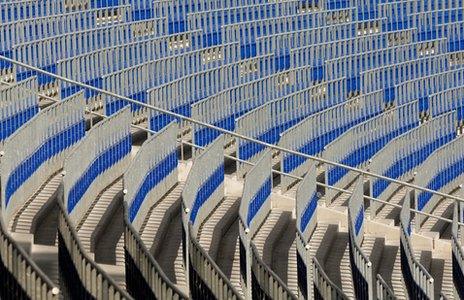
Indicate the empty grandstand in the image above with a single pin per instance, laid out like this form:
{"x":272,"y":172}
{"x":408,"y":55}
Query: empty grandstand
{"x":231,"y":149}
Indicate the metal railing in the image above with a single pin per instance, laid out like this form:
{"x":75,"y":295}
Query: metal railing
{"x":232,"y":133}
{"x":80,"y":276}
{"x":144,"y":277}
{"x":236,"y":135}
{"x":458,"y":263}
{"x":417,"y":280}
{"x":265,"y":283}
{"x":361,"y":267}
{"x":206,"y":278}
{"x":324,"y":288}
{"x":20,"y":277}
{"x":384,"y":292}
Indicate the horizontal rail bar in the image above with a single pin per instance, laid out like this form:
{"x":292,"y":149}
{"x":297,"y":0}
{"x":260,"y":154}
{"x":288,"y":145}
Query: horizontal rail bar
{"x":320,"y":184}
{"x":232,"y":133}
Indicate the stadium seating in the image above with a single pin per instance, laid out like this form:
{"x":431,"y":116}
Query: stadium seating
{"x":231,"y":149}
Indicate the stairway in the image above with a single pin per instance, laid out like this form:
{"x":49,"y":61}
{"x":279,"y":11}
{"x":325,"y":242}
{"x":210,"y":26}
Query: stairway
{"x":23,"y":219}
{"x":397,"y":281}
{"x":263,"y":233}
{"x":46,"y":258}
{"x":94,"y":214}
{"x":390,"y":211}
{"x":229,"y":248}
{"x":341,"y":199}
{"x":170,"y":255}
{"x":109,"y":240}
{"x":154,"y":225}
{"x":284,"y":256}
{"x":447,"y":286}
{"x":319,"y":245}
{"x":220,"y":219}
{"x":444,"y":209}
{"x":389,"y":267}
{"x":337,"y":264}
{"x":119,"y":253}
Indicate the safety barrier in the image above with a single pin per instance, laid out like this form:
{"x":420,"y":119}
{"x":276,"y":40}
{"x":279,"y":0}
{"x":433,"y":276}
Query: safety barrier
{"x":266,"y":122}
{"x":213,"y":20}
{"x":401,"y":156}
{"x":151,"y":174}
{"x":306,"y":221}
{"x":457,"y":252}
{"x":213,"y":76}
{"x":203,"y":191}
{"x":56,"y":48}
{"x":96,"y":162}
{"x":312,"y":134}
{"x":324,"y":288}
{"x":22,"y":31}
{"x":80,"y":276}
{"x":165,"y":72}
{"x":144,"y":277}
{"x":419,"y":283}
{"x":17,"y":10}
{"x":265,"y":284}
{"x":441,"y":171}
{"x":19,"y":104}
{"x":51,"y":135}
{"x":220,"y":78}
{"x":384,"y":292}
{"x":448,"y":100}
{"x":258,"y":280}
{"x":357,"y":145}
{"x":361,"y":266}
{"x":303,"y":37}
{"x":222,"y":108}
{"x":386,"y":77}
{"x":350,"y":66}
{"x":102,"y":61}
{"x":206,"y":279}
{"x":424,"y":88}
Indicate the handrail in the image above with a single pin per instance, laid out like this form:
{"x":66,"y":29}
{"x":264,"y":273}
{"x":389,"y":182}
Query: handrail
{"x":210,"y":261}
{"x":53,"y":290}
{"x":232,"y":133}
{"x":456,"y":245}
{"x":256,"y":256}
{"x":421,"y":268}
{"x":86,"y":259}
{"x":318,"y":269}
{"x":150,"y":257}
{"x":384,"y":292}
{"x":278,"y":172}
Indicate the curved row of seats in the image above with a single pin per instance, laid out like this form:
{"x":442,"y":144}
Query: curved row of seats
{"x":355,"y":84}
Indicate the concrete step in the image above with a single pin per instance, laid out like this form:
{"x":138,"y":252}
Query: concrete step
{"x":219,"y":221}
{"x":170,"y":255}
{"x":154,"y":225}
{"x":228,"y":255}
{"x":337,"y":264}
{"x":261,"y":237}
{"x":118,"y":273}
{"x":46,"y":258}
{"x":23,"y":220}
{"x":389,"y":211}
{"x":284,"y":255}
{"x":397,"y":280}
{"x":94,"y":214}
{"x":444,"y":209}
{"x":447,"y":286}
